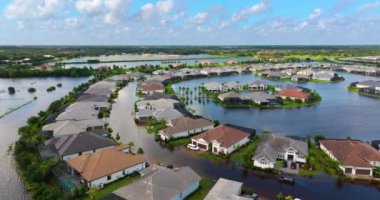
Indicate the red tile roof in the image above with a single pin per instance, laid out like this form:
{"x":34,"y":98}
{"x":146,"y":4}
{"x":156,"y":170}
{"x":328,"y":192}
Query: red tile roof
{"x":352,"y":152}
{"x":293,"y":93}
{"x":105,"y":162}
{"x":224,"y":134}
{"x":152,"y":86}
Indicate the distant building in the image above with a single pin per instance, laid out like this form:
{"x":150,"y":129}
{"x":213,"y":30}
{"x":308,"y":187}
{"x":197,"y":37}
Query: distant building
{"x":152,"y":87}
{"x":293,"y":94}
{"x":185,"y":126}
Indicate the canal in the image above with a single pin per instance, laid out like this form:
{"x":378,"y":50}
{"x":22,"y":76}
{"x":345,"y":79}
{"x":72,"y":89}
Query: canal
{"x":340,"y":114}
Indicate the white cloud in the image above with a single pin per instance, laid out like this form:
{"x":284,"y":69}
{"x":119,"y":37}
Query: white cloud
{"x":253,"y":10}
{"x":369,"y":6}
{"x":316,"y":13}
{"x":73,"y":22}
{"x":110,"y":11}
{"x":199,"y":18}
{"x":164,"y":7}
{"x":32,"y":9}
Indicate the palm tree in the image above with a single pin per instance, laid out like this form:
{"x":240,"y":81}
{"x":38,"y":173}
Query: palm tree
{"x":131,"y":145}
{"x":92,"y":193}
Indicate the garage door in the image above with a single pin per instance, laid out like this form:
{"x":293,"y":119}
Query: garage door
{"x":348,"y":170}
{"x":363,"y":172}
{"x":202,"y":146}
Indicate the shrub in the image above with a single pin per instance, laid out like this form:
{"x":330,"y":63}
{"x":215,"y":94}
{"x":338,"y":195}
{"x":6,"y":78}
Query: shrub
{"x":31,"y":90}
{"x":11,"y":90}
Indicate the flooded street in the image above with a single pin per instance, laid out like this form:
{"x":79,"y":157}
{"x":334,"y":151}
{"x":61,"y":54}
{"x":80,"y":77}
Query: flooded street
{"x":121,"y":121}
{"x":11,"y":187}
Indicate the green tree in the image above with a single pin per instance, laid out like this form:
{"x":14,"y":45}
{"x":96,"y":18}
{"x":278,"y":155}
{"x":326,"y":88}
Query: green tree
{"x":131,"y":145}
{"x":92,"y":193}
{"x":280,"y":196}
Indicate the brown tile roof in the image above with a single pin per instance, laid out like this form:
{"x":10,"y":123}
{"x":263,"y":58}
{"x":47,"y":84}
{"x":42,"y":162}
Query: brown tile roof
{"x":224,"y":134}
{"x":102,"y":163}
{"x":185,"y":124}
{"x":152,"y":86}
{"x":293,"y":93}
{"x":352,"y":152}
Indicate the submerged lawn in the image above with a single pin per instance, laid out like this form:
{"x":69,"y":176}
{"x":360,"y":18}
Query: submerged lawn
{"x":244,"y":155}
{"x":205,"y":186}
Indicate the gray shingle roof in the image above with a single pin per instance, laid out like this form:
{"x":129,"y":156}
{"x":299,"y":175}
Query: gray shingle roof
{"x":272,"y":144}
{"x":161,"y":184}
{"x":81,"y":142}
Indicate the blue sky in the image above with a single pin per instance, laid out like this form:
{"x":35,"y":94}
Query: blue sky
{"x":189,"y":22}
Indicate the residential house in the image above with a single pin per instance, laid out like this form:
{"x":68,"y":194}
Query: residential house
{"x":165,"y":114}
{"x":92,"y":98}
{"x":274,"y":75}
{"x":225,"y":189}
{"x":307,"y":72}
{"x":158,"y":104}
{"x":293,"y":94}
{"x":160,"y":183}
{"x":223,"y":139}
{"x":185,"y":126}
{"x":232,"y":85}
{"x":274,"y":147}
{"x":300,"y":78}
{"x":257,"y":86}
{"x":66,"y":147}
{"x":230,"y":98}
{"x":260,"y":98}
{"x":152,"y":87}
{"x":72,"y":127}
{"x":214,"y":87}
{"x":156,"y":96}
{"x":106,"y":166}
{"x":355,"y":157}
{"x":83,"y":111}
{"x":369,"y":87}
{"x":325,"y":76}
{"x":101,"y":88}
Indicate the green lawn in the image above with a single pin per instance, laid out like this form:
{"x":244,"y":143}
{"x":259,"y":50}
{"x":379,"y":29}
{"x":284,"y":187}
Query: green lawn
{"x":321,"y":162}
{"x":204,"y":187}
{"x":244,"y":155}
{"x":180,"y":141}
{"x":108,"y":189}
{"x":353,"y":89}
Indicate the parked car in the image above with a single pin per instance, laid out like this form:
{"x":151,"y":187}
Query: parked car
{"x":293,"y":165}
{"x":287,"y":179}
{"x":192,"y":147}
{"x":255,"y":196}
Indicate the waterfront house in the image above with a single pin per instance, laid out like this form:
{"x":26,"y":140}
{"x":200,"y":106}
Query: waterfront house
{"x":165,"y":114}
{"x":72,"y":127}
{"x":105,"y":166}
{"x":293,"y":94}
{"x":307,"y":72}
{"x":355,"y":157}
{"x":152,"y":87}
{"x":369,"y":87}
{"x":158,"y":104}
{"x":214,"y":87}
{"x":232,"y":85}
{"x":274,"y":147}
{"x":225,"y":189}
{"x":185,"y":126}
{"x":325,"y":76}
{"x":260,"y":98}
{"x":92,"y":98}
{"x":156,"y":96}
{"x":74,"y":145}
{"x":300,"y":78}
{"x":274,"y":75}
{"x":83,"y":111}
{"x":257,"y":86}
{"x":223,"y":139}
{"x":160,"y":183}
{"x":101,"y":88}
{"x":230,"y":98}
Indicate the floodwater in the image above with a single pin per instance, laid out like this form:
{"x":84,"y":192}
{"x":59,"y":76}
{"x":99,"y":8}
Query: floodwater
{"x":180,"y":60}
{"x":11,"y":187}
{"x":318,"y":187}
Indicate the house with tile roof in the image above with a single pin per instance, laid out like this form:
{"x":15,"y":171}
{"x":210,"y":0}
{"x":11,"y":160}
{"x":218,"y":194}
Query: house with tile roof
{"x":293,"y":94}
{"x":72,"y":127}
{"x":223,"y":139}
{"x":184,"y":127}
{"x":257,"y":86}
{"x":355,"y":157}
{"x":160,"y":183}
{"x":152,"y":87}
{"x":225,"y":189}
{"x":275,"y":147}
{"x":105,"y":166}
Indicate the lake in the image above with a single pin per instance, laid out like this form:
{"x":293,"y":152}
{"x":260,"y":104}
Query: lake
{"x":11,"y":186}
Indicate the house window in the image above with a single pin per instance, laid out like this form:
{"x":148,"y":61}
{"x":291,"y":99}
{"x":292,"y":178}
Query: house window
{"x":80,"y":153}
{"x":123,"y":172}
{"x":109,"y":177}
